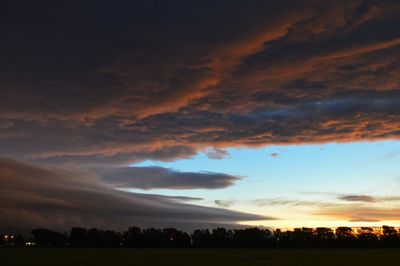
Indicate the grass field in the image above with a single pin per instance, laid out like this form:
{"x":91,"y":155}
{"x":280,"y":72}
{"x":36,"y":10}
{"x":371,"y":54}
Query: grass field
{"x":190,"y":257}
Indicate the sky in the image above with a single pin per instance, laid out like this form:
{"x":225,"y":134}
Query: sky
{"x":199,"y":113}
{"x":297,"y":183}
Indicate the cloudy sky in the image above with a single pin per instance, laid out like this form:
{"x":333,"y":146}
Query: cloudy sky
{"x":196,"y":113}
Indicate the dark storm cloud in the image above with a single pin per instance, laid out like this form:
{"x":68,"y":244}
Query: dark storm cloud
{"x":32,"y":196}
{"x":115,"y":83}
{"x":91,"y":59}
{"x":86,"y":84}
{"x":159,"y":177}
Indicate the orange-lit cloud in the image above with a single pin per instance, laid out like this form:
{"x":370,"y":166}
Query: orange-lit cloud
{"x":136,"y":81}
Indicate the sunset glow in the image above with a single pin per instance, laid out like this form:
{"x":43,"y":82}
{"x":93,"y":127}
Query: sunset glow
{"x":199,"y":114}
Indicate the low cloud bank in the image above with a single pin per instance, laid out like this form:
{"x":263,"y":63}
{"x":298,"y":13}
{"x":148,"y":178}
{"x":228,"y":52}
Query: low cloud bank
{"x":32,"y":196}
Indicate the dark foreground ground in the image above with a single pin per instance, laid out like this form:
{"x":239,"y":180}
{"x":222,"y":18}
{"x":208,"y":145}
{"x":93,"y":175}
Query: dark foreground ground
{"x":190,"y":257}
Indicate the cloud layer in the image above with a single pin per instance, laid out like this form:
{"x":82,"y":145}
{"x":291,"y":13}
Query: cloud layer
{"x":159,"y":177}
{"x":102,"y":83}
{"x":358,"y":198}
{"x":32,"y":197}
{"x":94,"y":84}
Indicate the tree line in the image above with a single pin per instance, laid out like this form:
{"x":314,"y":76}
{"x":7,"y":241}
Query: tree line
{"x":134,"y":237}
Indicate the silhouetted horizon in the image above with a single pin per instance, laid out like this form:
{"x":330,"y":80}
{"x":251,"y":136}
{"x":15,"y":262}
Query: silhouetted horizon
{"x":135,"y":237}
{"x":199,"y":114}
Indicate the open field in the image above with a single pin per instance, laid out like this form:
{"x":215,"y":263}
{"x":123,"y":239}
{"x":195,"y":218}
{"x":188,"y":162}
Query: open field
{"x":193,"y":257}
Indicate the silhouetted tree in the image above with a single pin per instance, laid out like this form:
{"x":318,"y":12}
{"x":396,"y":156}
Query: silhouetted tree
{"x":133,"y":237}
{"x":302,"y":237}
{"x":101,"y":238}
{"x":153,"y":238}
{"x":112,"y":239}
{"x":252,"y":238}
{"x":222,"y":238}
{"x":278,"y":238}
{"x":176,"y":239}
{"x":79,"y":237}
{"x":324,"y":237}
{"x":47,"y":238}
{"x":345,"y":237}
{"x":202,"y":238}
{"x":218,"y":238}
{"x":367,"y":237}
{"x":390,"y":237}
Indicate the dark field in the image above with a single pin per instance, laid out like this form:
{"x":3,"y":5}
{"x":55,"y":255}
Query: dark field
{"x":189,"y":257}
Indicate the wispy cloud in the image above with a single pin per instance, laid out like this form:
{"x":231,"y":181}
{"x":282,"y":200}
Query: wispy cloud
{"x":358,"y":198}
{"x":224,"y":203}
{"x":288,"y":202}
{"x":357,"y":213}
